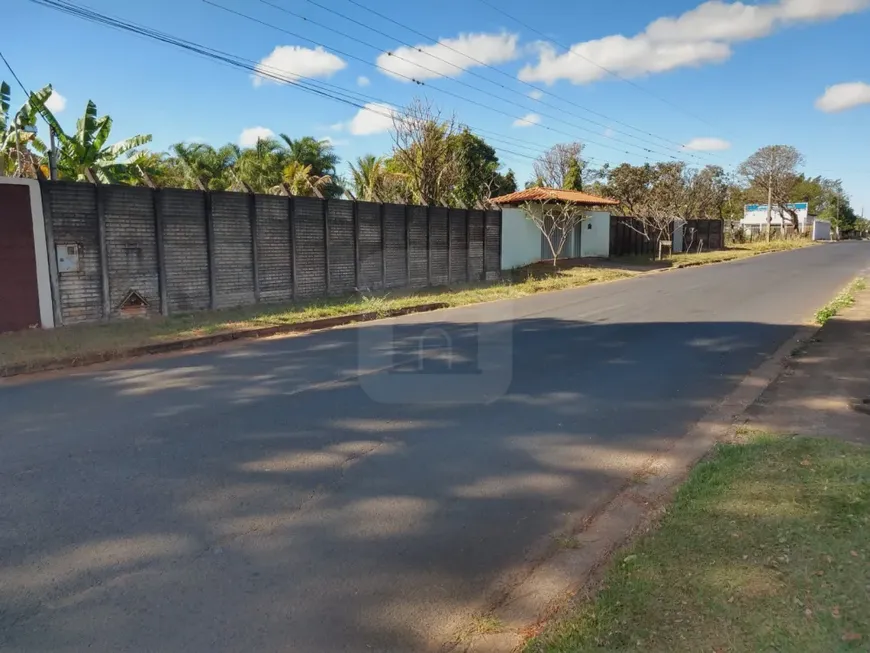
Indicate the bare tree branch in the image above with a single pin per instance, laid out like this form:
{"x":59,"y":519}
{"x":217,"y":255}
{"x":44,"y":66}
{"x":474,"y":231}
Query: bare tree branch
{"x":556,"y":221}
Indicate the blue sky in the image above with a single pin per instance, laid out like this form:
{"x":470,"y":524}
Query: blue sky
{"x":732,"y":74}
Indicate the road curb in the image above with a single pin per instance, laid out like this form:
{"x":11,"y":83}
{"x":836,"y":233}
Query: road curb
{"x":550,"y":586}
{"x":207,"y":341}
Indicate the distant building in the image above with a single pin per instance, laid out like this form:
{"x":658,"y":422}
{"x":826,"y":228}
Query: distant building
{"x":755,"y":220}
{"x":755,"y":217}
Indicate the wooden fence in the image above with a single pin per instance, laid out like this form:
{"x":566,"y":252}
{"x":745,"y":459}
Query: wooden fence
{"x":627,"y":238}
{"x":710,"y":234}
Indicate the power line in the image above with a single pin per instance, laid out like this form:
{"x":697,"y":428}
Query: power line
{"x":501,"y":72}
{"x":594,"y":63}
{"x":473,"y":73}
{"x":322,"y":89}
{"x":17,"y":79}
{"x":436,"y":88}
{"x":462,"y":83}
{"x":310,"y":86}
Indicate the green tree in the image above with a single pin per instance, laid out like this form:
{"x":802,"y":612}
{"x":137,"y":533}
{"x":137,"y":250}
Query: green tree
{"x":629,"y":185}
{"x":18,"y":132}
{"x":372,"y":181}
{"x":162,"y":168}
{"x":477,"y":169}
{"x":573,"y":176}
{"x":423,"y":154}
{"x":261,"y":166}
{"x":302,"y":181}
{"x":505,"y":184}
{"x":203,"y":162}
{"x":87,"y":148}
{"x":308,"y":151}
{"x":320,"y":156}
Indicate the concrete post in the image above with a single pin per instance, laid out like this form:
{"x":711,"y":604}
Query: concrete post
{"x":104,"y":252}
{"x":161,"y":251}
{"x":325,"y":204}
{"x":210,"y":246}
{"x":383,"y":246}
{"x":54,"y":275}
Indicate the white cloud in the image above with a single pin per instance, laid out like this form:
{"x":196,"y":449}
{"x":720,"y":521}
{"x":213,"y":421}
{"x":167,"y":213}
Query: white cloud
{"x":294,"y":61}
{"x":841,"y":97}
{"x":630,"y":57}
{"x":528,"y":120}
{"x":374,"y":118}
{"x":449,"y":57}
{"x":609,"y":133}
{"x":536,"y":94}
{"x":810,"y":10}
{"x":707,"y":144}
{"x":251,"y":135}
{"x":55,"y":102}
{"x":700,"y":36}
{"x":362,"y":80}
{"x":715,"y":21}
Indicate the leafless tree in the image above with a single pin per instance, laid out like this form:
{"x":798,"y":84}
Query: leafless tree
{"x":554,"y":167}
{"x":422,"y":152}
{"x":774,"y":169}
{"x":556,"y":221}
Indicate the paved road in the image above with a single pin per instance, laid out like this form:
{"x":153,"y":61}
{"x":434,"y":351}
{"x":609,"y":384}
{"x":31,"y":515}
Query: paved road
{"x":287,"y":495}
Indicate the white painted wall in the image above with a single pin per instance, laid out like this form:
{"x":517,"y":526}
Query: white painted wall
{"x":520,"y":240}
{"x":756,"y":214}
{"x":595,"y":241}
{"x":40,"y":249}
{"x":821,"y":230}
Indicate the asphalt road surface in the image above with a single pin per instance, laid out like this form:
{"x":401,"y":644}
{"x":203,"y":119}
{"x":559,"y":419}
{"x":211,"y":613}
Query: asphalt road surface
{"x":362,"y":489}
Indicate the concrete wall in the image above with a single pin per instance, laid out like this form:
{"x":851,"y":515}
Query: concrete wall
{"x":595,"y":238}
{"x":184,"y":251}
{"x":821,"y":230}
{"x":523,"y":243}
{"x":521,"y":240}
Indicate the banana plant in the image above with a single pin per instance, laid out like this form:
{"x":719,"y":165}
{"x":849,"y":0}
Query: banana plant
{"x":87,"y":149}
{"x":18,"y":132}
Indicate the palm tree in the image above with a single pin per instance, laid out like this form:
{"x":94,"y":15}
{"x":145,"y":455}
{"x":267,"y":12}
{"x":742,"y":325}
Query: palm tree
{"x":202,"y":162}
{"x":309,"y":151}
{"x":302,"y":182}
{"x":87,"y":149}
{"x":370,"y":179}
{"x":261,"y":167}
{"x":164,"y":169}
{"x":18,"y":133}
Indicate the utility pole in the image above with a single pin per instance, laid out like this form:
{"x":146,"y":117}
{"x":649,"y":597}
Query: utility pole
{"x":52,"y":156}
{"x":769,"y":201}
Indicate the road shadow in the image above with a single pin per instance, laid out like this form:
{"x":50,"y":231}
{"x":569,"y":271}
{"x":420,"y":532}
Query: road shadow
{"x":257,"y":498}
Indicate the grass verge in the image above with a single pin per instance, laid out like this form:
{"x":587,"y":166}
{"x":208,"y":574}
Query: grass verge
{"x":765,"y":549}
{"x":845,"y":299}
{"x":37,"y":346}
{"x":732,"y":253}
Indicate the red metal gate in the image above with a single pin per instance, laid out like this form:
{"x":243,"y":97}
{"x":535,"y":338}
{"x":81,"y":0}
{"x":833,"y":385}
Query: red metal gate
{"x":19,"y":292}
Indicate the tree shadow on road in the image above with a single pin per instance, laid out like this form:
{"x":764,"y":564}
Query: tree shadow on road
{"x":257,"y":498}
